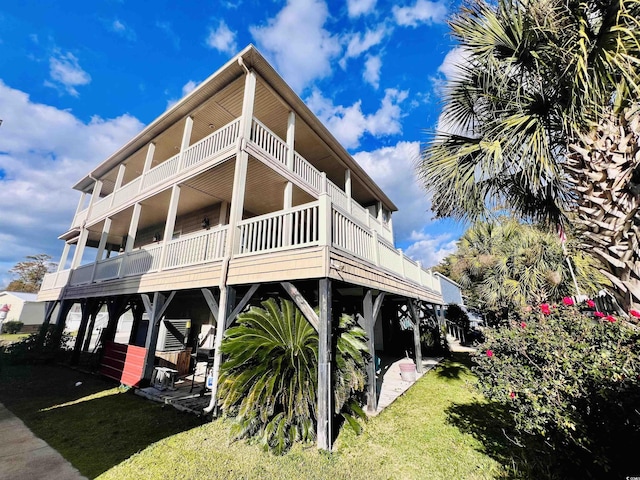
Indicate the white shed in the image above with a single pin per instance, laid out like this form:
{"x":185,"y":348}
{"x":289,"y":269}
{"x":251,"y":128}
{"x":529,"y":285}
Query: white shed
{"x":23,"y":307}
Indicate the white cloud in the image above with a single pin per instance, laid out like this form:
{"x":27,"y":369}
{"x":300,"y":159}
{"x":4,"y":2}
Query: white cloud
{"x":393,"y":169}
{"x":168,"y":31}
{"x":449,"y":71}
{"x":358,"y":43}
{"x":430,"y":250}
{"x":65,"y":71}
{"x":187,"y":88}
{"x":371,"y":73}
{"x":123,"y":30}
{"x":297,"y":43}
{"x":349,"y":124}
{"x":360,"y":7}
{"x":423,"y":11}
{"x":44,"y":151}
{"x":222,"y":39}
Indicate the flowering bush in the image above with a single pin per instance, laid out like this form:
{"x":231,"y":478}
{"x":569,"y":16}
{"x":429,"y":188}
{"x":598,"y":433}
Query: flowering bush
{"x":570,"y":378}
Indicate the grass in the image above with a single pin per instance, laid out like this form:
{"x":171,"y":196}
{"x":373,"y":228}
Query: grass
{"x":438,"y":429}
{"x":7,"y":338}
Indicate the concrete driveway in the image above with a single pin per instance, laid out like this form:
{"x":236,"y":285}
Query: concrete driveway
{"x":23,"y":455}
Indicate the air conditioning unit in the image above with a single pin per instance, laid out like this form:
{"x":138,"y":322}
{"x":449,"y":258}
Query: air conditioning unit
{"x":173,"y":334}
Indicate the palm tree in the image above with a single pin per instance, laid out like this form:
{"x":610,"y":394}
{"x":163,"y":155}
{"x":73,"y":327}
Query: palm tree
{"x":268,"y":382}
{"x":507,"y":266}
{"x":605,"y":168}
{"x":538,"y":75}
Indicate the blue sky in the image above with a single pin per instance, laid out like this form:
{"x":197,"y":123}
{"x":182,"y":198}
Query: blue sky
{"x":79,"y":79}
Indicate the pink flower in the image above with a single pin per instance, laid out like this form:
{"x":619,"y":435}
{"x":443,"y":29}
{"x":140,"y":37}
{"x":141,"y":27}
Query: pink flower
{"x":567,"y":301}
{"x":545,"y":308}
{"x":599,"y":314}
{"x":591,"y":303}
{"x":610,"y":318}
{"x":634,"y":313}
{"x":523,"y":325}
{"x":512,"y":394}
{"x":489,"y":353}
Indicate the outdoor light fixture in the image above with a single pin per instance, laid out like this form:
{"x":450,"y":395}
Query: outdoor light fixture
{"x":205,"y":223}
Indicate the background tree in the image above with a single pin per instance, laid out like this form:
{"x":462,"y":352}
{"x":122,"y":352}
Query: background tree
{"x":504,"y":266}
{"x":30,"y":273}
{"x":537,"y":76}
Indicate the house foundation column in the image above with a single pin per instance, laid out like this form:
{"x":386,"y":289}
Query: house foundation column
{"x":369,"y":321}
{"x":325,"y":385}
{"x":227,"y":299}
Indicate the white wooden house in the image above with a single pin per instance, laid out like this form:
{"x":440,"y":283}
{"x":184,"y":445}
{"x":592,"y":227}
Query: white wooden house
{"x":23,"y":307}
{"x":235,"y":193}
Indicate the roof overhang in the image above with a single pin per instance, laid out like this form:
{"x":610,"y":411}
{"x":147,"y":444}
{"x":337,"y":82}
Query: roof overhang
{"x":229,"y":72}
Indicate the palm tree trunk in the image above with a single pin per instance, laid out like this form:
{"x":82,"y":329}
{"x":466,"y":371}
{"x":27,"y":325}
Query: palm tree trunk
{"x":605,"y":169}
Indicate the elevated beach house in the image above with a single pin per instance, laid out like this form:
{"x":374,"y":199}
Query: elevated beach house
{"x":234,"y":194}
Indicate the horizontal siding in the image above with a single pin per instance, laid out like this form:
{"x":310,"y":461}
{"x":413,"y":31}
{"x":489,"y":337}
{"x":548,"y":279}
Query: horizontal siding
{"x":295,"y":264}
{"x":355,"y":271}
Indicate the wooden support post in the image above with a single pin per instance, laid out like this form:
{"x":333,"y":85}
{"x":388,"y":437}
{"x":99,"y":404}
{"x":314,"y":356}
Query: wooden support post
{"x":369,"y":321}
{"x":63,"y":311}
{"x":155,"y":311}
{"x":148,"y":161}
{"x":87,"y":307}
{"x":325,"y":390}
{"x":63,"y":257}
{"x":227,"y":297}
{"x":240,"y":306}
{"x":133,"y":227}
{"x":302,"y":304}
{"x":170,"y":223}
{"x":137,"y":310}
{"x":413,"y":311}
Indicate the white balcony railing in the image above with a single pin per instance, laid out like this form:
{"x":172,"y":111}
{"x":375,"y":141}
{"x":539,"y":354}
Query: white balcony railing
{"x":269,"y":142}
{"x":214,"y":144}
{"x":296,"y":227}
{"x":352,"y":228}
{"x":209,"y":146}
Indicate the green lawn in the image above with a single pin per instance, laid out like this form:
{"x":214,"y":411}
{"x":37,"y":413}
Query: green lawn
{"x":7,"y":338}
{"x":439,"y":429}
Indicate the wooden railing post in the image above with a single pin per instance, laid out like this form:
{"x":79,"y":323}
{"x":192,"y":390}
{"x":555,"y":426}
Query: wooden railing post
{"x":324,"y":219}
{"x":402,"y":272}
{"x":376,"y":248}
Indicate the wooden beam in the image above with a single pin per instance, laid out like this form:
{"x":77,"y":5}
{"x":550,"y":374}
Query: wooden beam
{"x":416,"y":335}
{"x":325,"y":410}
{"x":211,"y":302}
{"x":152,"y":333}
{"x":308,"y":312}
{"x":369,"y":321}
{"x":377,"y":305}
{"x":243,"y":303}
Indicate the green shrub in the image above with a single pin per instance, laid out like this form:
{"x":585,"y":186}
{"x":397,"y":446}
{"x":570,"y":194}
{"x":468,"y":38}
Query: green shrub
{"x":50,"y":344}
{"x":268,"y":382}
{"x":570,"y":379}
{"x":12,"y":326}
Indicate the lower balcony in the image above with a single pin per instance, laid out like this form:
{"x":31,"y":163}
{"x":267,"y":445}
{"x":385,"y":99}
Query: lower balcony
{"x":283,"y":245}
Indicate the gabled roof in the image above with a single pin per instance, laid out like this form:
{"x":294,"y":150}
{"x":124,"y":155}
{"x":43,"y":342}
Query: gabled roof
{"x":229,"y":72}
{"x":26,"y":297}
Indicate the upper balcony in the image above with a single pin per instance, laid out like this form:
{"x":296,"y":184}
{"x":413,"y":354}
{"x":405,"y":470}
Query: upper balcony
{"x":214,"y":149}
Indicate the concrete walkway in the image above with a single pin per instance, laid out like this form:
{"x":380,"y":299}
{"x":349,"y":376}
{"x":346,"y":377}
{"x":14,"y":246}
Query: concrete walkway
{"x":23,"y":455}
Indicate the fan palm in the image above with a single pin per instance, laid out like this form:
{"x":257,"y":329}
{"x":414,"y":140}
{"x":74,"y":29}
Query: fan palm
{"x":505,"y":266}
{"x":537,"y":75}
{"x":269,"y":380}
